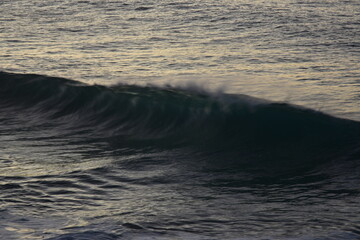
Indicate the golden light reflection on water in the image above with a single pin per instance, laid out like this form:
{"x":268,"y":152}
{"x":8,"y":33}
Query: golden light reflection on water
{"x":52,"y":165}
{"x":245,"y":45}
{"x":266,"y":49}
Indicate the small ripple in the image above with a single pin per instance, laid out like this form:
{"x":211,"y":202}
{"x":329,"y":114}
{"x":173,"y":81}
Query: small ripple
{"x":8,"y":186}
{"x":86,"y":235}
{"x":143,"y":8}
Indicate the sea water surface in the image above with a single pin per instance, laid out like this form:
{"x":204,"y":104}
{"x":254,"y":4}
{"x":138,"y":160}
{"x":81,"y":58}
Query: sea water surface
{"x":179,"y":119}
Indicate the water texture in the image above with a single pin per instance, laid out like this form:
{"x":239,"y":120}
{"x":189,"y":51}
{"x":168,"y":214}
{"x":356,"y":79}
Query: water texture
{"x":179,"y":120}
{"x":153,"y":160}
{"x":303,"y":52}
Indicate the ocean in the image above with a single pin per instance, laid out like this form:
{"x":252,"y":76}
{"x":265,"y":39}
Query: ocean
{"x":180,"y":119}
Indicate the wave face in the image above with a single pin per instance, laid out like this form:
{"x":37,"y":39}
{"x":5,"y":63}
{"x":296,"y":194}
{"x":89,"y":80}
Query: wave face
{"x":168,"y":117}
{"x":127,"y":162}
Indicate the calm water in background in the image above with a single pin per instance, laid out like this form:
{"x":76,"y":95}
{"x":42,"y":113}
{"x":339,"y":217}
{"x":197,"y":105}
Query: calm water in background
{"x":63,"y":177}
{"x":304,"y":52}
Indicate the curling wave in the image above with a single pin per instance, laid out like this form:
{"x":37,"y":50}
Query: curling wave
{"x":170,"y":117}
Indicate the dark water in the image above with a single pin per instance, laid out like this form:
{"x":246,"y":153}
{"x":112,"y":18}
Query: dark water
{"x":85,"y":161}
{"x":157,"y":156}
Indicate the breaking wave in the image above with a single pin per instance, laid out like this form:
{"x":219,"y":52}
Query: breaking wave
{"x":236,"y":127}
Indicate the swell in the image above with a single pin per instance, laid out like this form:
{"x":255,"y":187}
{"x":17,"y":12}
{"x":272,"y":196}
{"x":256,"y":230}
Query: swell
{"x":235,"y":125}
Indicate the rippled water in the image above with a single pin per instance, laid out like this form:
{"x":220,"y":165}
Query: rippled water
{"x":305,"y":52}
{"x":180,"y":153}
